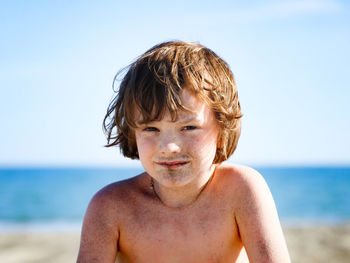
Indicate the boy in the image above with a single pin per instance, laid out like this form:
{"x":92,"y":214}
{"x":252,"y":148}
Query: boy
{"x":177,"y":110}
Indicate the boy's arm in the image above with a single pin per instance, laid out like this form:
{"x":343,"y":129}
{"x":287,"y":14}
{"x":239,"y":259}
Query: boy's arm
{"x":99,"y":237}
{"x":258,"y":222}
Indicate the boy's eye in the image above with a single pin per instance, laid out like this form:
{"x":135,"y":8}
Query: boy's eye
{"x":189,"y":128}
{"x":150,"y":129}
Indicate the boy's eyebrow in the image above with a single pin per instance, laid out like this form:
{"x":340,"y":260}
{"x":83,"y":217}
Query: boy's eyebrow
{"x":184,"y":119}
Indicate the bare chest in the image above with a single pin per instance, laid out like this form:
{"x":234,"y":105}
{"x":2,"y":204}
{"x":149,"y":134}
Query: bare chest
{"x":205,"y":234}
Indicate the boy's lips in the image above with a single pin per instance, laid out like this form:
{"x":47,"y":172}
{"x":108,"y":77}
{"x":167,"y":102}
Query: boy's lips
{"x":172,"y":164}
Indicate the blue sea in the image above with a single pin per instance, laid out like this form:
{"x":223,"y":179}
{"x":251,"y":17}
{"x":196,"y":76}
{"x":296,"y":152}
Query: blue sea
{"x":56,"y":198}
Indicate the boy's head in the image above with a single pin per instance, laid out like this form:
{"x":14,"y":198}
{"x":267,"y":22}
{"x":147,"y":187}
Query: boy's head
{"x":152,"y":86}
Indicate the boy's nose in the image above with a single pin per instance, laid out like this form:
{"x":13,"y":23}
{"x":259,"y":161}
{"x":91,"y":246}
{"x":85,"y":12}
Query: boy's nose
{"x":169,"y":146}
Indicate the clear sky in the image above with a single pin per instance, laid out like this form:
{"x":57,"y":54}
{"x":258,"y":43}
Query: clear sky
{"x":291,"y":61}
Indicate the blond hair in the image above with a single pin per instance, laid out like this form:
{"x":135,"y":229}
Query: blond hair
{"x":152,"y":86}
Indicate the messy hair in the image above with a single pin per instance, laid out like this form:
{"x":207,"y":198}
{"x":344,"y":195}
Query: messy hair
{"x":152,"y":85}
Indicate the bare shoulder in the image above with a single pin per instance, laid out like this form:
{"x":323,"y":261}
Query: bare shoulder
{"x":247,"y":186}
{"x":113,"y":200}
{"x":238,"y":171}
{"x":101,"y":226}
{"x":116,"y":193}
{"x":241,"y":178}
{"x":255,"y":214}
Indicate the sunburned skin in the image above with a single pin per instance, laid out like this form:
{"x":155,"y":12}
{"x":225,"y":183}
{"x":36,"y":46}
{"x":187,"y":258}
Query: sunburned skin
{"x":148,"y":231}
{"x":195,"y":211}
{"x":179,"y":154}
{"x":206,"y":231}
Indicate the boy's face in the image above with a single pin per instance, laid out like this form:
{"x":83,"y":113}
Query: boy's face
{"x":177,"y":153}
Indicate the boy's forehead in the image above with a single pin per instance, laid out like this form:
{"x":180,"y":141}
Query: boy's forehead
{"x":178,"y":115}
{"x":193,"y":109}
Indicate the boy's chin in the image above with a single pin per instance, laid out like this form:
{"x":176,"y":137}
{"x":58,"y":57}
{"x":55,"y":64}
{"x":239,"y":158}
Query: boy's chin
{"x":172,"y":178}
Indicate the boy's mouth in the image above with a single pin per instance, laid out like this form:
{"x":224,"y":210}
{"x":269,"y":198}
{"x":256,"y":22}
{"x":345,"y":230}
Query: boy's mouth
{"x":172,"y":164}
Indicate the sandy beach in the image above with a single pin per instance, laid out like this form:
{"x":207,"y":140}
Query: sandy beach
{"x":306,"y":245}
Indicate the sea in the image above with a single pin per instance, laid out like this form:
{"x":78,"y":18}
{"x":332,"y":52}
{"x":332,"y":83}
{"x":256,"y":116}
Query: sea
{"x":52,"y":199}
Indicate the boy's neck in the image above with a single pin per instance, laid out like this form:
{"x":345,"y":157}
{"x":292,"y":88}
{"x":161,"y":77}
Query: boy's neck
{"x":178,"y":198}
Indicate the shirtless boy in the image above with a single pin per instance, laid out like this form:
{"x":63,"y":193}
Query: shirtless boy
{"x":177,"y":110}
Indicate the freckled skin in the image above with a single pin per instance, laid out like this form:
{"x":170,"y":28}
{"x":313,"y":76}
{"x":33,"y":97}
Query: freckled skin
{"x":192,"y":139}
{"x":196,"y":211}
{"x":195,"y":234}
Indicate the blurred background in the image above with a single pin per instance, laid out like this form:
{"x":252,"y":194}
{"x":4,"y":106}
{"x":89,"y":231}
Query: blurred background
{"x":291,"y":61}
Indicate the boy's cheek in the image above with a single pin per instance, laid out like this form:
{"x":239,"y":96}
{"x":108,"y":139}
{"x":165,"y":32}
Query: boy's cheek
{"x":144,"y":145}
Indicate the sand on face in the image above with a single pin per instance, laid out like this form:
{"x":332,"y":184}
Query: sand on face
{"x":306,"y":245}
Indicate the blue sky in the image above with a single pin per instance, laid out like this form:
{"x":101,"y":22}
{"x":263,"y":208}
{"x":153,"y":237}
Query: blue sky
{"x":291,"y":61}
